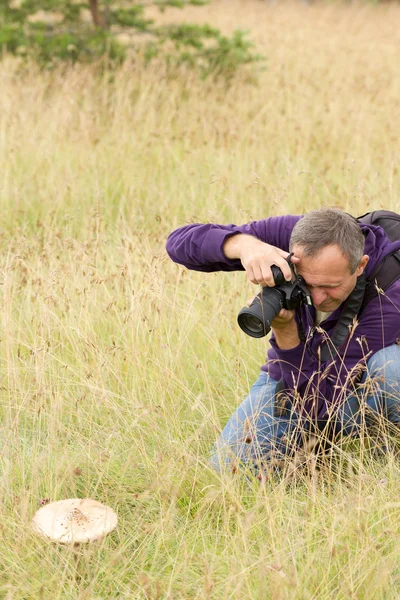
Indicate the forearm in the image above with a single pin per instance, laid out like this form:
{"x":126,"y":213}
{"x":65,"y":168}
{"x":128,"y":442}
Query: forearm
{"x":233,"y":247}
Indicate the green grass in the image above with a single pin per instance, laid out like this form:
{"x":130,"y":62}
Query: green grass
{"x":119,"y":368}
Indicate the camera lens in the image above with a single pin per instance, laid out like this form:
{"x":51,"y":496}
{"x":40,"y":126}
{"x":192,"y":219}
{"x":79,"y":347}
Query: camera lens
{"x":256,"y":319}
{"x":252,"y":325}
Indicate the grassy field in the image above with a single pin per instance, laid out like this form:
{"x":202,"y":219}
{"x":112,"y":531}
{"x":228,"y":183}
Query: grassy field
{"x":119,"y":368}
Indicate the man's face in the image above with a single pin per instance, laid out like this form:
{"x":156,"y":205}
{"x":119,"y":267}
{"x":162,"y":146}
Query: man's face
{"x":328,"y":276}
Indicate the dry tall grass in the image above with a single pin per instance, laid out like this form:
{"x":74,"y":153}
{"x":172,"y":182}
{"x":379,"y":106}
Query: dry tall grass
{"x":119,"y":368}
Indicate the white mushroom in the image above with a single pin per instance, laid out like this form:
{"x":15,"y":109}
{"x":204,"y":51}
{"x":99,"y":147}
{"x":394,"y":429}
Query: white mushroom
{"x":75,"y":521}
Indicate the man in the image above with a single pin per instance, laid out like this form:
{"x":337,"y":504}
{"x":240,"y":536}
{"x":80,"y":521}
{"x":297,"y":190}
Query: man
{"x":307,"y":382}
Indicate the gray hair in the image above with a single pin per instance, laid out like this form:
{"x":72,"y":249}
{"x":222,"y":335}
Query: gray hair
{"x":326,"y":227}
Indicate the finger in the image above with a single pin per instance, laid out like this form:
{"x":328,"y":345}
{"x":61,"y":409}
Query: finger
{"x":294,"y":259}
{"x":284,"y":253}
{"x":267,"y":277}
{"x":286,"y":270}
{"x":258,"y":275}
{"x":280,"y":317}
{"x":283,"y":317}
{"x":250,"y":275}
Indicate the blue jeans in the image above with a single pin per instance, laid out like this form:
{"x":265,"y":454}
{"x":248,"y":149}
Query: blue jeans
{"x":259,"y":434}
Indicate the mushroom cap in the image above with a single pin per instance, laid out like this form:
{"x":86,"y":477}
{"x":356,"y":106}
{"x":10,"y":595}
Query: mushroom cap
{"x":74,"y":521}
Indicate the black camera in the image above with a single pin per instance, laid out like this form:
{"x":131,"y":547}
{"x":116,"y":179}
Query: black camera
{"x":256,"y":319}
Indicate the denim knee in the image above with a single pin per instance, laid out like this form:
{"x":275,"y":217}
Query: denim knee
{"x":385,"y":361}
{"x":384,"y":370}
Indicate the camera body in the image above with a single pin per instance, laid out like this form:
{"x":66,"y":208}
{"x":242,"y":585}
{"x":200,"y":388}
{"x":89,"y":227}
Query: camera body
{"x":256,"y":319}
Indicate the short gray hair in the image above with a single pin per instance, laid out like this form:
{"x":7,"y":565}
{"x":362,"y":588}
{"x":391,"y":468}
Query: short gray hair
{"x":326,"y":227}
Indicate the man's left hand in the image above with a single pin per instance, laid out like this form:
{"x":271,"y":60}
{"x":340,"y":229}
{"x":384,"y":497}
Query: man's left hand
{"x":284,"y":327}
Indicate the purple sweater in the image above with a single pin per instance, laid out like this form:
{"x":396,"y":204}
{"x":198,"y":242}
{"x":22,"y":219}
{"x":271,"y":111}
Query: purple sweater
{"x":320,"y":385}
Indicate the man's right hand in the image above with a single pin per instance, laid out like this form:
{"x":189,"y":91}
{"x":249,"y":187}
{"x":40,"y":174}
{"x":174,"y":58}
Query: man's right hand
{"x":257,"y":257}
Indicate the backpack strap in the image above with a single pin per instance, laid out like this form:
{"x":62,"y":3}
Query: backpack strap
{"x":351,"y":309}
{"x":382,"y":277}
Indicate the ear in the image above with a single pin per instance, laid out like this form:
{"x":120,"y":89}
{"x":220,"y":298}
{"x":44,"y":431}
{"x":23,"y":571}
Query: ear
{"x":362,"y":264}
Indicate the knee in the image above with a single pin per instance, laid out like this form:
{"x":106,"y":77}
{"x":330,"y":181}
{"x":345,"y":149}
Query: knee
{"x":385,"y":363}
{"x":384,"y":369}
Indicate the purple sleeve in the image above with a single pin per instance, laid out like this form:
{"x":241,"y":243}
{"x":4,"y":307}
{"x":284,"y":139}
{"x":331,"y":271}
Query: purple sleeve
{"x":199,"y":247}
{"x":325,"y":384}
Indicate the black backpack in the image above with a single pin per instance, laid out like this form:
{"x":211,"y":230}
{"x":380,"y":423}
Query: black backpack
{"x":388,"y":270}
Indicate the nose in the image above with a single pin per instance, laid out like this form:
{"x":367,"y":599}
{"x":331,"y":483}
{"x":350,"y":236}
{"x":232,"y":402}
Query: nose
{"x":318,"y":296}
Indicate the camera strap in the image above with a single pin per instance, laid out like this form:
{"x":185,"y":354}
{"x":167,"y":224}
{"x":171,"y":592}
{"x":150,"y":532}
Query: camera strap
{"x":349,"y":313}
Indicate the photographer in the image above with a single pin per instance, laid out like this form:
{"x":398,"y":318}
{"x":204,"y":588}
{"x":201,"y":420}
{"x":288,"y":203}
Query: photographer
{"x":334,"y":365}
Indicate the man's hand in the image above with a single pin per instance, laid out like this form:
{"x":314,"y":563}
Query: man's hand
{"x":257,"y":257}
{"x":285,"y":330}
